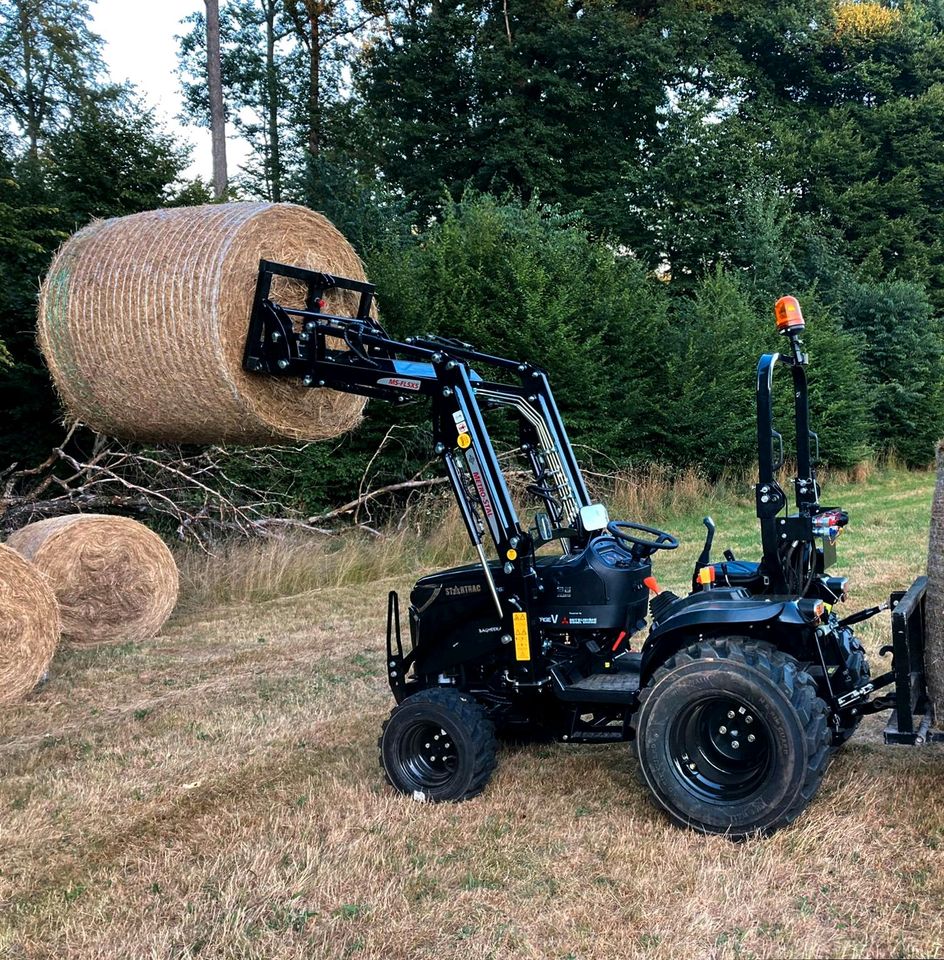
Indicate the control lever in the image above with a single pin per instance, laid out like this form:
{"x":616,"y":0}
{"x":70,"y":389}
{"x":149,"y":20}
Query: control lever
{"x":704,"y":558}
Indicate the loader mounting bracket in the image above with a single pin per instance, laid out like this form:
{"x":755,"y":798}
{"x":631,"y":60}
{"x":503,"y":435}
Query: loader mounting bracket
{"x":911,"y":721}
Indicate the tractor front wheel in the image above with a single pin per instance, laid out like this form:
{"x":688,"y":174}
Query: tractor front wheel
{"x":731,"y":737}
{"x":438,"y":745}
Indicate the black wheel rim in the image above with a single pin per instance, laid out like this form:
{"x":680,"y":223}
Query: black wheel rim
{"x":426,"y":755}
{"x":720,"y":749}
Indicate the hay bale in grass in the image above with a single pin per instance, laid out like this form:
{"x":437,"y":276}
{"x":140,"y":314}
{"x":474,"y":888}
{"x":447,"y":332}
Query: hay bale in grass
{"x":143,"y":319}
{"x":29,"y":626}
{"x":115,"y":579}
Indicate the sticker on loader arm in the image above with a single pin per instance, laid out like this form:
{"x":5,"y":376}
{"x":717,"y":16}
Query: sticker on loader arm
{"x":522,"y":644}
{"x":461,"y":425}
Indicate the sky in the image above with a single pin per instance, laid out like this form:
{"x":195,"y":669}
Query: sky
{"x":140,"y":47}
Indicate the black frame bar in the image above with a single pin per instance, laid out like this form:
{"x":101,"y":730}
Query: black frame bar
{"x":291,"y":342}
{"x":912,"y":718}
{"x":770,"y":498}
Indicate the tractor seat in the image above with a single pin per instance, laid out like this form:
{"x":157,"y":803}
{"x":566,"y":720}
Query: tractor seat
{"x":738,"y":573}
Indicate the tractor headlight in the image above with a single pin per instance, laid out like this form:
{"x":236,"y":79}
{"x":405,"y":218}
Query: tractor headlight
{"x":812,"y":610}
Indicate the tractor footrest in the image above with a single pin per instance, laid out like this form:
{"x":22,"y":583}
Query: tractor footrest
{"x":619,"y":687}
{"x":595,"y":736}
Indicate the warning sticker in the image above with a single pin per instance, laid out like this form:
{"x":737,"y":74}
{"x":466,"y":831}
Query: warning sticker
{"x":522,"y":642}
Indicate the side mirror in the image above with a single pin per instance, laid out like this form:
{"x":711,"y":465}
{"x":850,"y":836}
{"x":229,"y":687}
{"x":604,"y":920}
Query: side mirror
{"x":594,"y":517}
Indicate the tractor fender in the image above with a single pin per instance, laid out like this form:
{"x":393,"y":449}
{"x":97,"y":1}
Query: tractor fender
{"x":705,"y":617}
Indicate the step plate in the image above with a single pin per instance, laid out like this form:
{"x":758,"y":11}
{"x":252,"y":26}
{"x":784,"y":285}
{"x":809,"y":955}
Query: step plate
{"x":603,"y":688}
{"x":627,"y":681}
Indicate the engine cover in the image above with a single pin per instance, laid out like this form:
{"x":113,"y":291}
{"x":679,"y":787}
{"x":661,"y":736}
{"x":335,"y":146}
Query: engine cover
{"x":453,"y":618}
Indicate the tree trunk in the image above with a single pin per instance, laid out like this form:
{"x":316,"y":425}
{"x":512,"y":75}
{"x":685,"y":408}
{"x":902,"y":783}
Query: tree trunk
{"x":215,"y":86}
{"x":934,"y":652}
{"x":272,"y":106}
{"x":29,"y":93}
{"x":314,"y":79}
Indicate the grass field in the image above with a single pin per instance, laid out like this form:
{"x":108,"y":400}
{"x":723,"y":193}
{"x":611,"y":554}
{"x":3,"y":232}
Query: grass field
{"x":215,"y":793}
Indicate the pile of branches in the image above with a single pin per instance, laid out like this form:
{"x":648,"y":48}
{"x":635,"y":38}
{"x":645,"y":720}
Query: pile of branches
{"x":195,"y":492}
{"x":191,"y":490}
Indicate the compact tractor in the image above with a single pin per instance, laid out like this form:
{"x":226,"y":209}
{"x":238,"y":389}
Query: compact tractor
{"x":739,"y":691}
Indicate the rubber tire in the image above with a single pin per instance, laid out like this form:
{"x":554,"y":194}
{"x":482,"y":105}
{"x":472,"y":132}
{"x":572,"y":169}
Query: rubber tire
{"x":473,"y":736}
{"x":781,"y":694}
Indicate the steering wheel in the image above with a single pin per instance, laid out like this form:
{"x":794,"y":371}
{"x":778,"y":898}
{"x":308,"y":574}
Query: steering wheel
{"x":637,"y":547}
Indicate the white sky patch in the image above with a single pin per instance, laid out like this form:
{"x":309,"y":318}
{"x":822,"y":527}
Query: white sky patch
{"x":140,"y":47}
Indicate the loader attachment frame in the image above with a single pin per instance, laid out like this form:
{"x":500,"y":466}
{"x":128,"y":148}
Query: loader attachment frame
{"x":354,"y":354}
{"x":911,"y":721}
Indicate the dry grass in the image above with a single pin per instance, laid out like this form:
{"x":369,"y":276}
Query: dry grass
{"x":215,"y":793}
{"x":432,"y":536}
{"x":429,"y":535}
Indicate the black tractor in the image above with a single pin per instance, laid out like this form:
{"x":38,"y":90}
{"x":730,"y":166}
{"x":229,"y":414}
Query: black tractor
{"x":739,"y":692}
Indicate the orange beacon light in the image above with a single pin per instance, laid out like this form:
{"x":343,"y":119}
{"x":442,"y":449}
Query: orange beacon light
{"x":789,"y":315}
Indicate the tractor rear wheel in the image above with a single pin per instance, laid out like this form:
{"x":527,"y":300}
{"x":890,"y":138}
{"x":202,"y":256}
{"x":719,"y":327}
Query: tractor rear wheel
{"x":438,"y":745}
{"x":731,"y":737}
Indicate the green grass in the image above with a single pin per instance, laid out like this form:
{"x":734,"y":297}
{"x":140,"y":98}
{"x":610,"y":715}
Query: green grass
{"x":889,"y":515}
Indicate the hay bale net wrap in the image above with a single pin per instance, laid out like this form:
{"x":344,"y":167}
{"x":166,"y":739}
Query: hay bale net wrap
{"x":143,"y":321}
{"x":29,"y":626}
{"x":115,"y":579}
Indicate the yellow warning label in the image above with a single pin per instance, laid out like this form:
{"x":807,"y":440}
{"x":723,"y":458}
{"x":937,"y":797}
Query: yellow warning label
{"x":522,"y":645}
{"x":465,"y":441}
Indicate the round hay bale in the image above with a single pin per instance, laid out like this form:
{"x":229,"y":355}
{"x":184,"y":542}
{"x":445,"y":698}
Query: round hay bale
{"x":143,"y":320}
{"x":115,"y":579}
{"x":29,"y":626}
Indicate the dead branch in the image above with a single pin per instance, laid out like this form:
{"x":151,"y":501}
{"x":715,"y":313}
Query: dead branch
{"x":353,"y":505}
{"x":192,"y":490}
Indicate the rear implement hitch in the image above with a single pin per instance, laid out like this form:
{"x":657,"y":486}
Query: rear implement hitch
{"x":912,"y":718}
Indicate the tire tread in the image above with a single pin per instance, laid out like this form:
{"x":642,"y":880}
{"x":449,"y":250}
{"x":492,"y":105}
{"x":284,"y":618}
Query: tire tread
{"x":797,"y":685}
{"x":472,"y":716}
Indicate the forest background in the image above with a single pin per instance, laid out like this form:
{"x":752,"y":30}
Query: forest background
{"x":615,"y":190}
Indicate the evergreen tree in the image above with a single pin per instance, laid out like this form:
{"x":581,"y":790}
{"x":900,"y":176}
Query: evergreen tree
{"x":254,"y":76}
{"x":903,"y":352}
{"x":709,"y":412}
{"x":552,"y":99}
{"x":283,"y":64}
{"x":114,"y":160}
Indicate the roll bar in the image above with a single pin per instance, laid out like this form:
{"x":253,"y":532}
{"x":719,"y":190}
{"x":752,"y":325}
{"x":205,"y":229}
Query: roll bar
{"x":770,"y":498}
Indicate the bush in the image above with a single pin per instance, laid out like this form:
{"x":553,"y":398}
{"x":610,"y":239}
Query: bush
{"x":904,"y":365}
{"x":640,"y":376}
